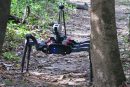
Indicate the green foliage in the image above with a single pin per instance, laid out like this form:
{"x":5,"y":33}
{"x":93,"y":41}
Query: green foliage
{"x":43,"y":13}
{"x":39,"y":8}
{"x":10,"y":40}
{"x":11,"y":56}
{"x":13,"y":38}
{"x":8,"y":82}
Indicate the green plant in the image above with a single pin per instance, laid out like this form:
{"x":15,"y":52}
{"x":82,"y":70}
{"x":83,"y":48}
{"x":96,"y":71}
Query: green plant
{"x":41,"y":10}
{"x":11,"y":56}
{"x":12,"y":39}
{"x":8,"y":82}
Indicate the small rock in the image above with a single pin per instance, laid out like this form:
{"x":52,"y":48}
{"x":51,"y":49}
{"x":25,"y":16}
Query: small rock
{"x":2,"y":85}
{"x":61,"y":77}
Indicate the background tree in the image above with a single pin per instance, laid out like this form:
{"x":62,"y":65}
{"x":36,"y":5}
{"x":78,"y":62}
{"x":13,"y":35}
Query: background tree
{"x":4,"y":12}
{"x":107,"y":68}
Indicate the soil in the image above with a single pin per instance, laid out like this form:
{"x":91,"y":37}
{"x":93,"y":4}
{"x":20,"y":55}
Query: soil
{"x":72,"y":70}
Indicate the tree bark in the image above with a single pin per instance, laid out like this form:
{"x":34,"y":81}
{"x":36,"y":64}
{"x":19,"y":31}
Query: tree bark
{"x":4,"y":12}
{"x":107,"y":68}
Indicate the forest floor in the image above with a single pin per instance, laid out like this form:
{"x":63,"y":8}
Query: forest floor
{"x":71,"y":70}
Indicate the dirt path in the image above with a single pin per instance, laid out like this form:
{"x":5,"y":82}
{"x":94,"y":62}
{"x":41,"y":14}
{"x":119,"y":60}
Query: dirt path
{"x":69,"y":70}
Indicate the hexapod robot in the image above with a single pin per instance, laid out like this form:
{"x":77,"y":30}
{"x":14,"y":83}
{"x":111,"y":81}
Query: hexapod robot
{"x":59,"y":44}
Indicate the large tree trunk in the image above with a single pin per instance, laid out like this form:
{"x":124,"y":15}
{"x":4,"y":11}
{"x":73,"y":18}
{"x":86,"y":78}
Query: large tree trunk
{"x":107,"y":68}
{"x":4,"y":12}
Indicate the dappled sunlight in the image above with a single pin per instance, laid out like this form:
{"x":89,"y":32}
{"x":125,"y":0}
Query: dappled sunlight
{"x":95,"y":20}
{"x":98,"y":51}
{"x":61,"y":79}
{"x":37,"y":73}
{"x":100,"y":74}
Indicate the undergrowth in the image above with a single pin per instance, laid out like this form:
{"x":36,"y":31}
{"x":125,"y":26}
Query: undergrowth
{"x":42,"y":14}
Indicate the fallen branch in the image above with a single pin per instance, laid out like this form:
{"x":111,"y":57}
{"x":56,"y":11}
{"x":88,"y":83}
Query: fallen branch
{"x":16,"y":19}
{"x":83,"y":6}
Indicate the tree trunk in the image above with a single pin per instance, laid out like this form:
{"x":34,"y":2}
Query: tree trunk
{"x":107,"y":68}
{"x":4,"y":12}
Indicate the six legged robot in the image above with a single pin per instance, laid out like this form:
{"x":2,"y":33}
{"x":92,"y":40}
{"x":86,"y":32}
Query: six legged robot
{"x":59,"y":44}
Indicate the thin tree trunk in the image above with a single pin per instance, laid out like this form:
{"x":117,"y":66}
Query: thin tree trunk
{"x":107,"y":68}
{"x":4,"y":12}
